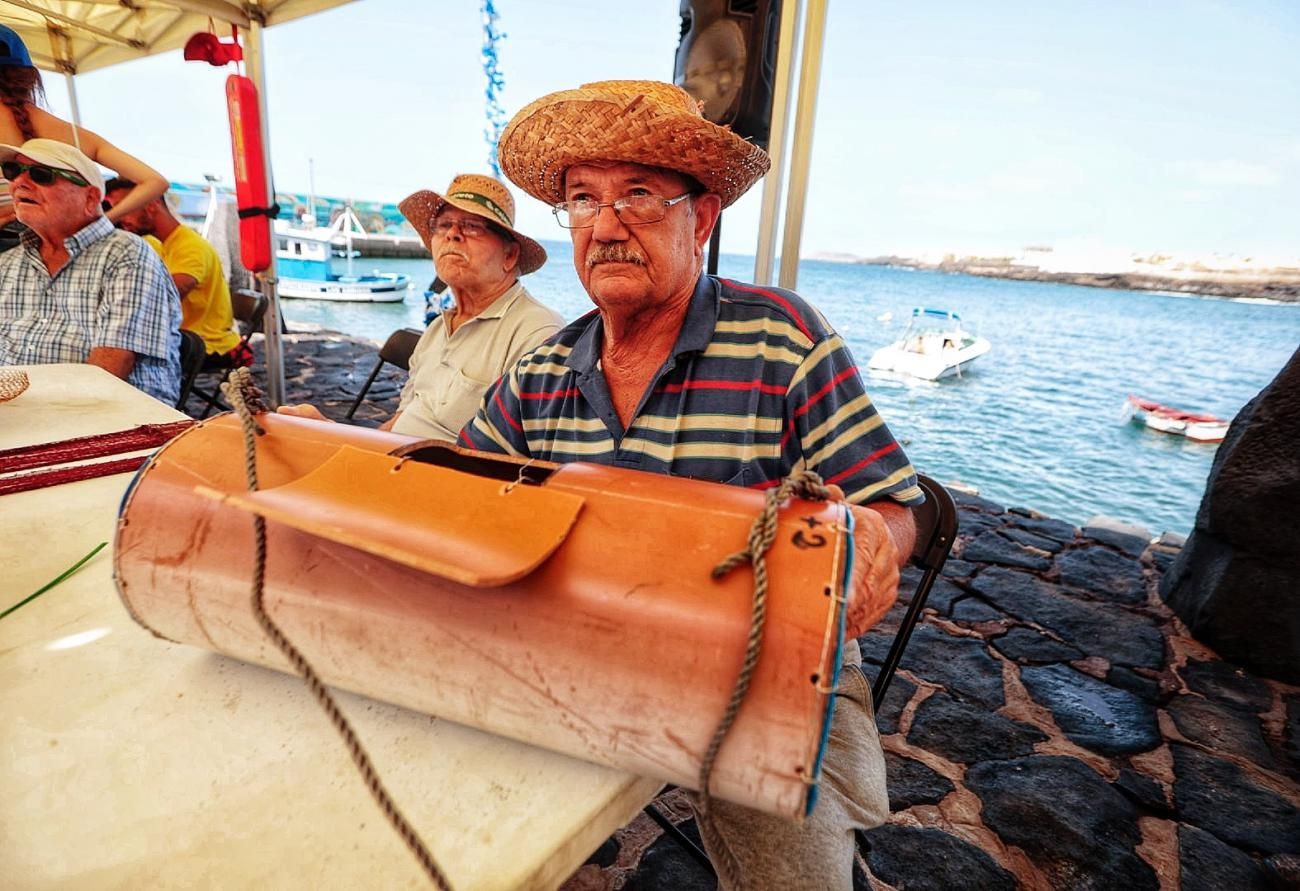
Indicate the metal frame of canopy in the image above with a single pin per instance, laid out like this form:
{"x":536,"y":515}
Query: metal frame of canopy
{"x":810,"y":55}
{"x":85,"y":35}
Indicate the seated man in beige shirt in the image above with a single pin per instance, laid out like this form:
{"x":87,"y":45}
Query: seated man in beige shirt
{"x":479,"y":254}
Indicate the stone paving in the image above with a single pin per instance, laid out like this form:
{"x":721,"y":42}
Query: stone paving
{"x":1051,"y":726}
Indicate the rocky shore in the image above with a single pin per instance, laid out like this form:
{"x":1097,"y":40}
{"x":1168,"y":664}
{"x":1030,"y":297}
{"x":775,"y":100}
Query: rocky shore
{"x":1052,"y":724}
{"x":1274,"y":284}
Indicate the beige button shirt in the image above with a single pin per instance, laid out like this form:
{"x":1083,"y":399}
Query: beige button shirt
{"x":450,"y":374}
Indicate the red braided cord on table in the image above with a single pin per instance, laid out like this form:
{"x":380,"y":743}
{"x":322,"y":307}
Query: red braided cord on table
{"x":25,"y":482}
{"x":83,"y":447}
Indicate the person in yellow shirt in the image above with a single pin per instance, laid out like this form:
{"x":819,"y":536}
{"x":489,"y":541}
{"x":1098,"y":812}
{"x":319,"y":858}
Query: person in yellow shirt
{"x":196,"y":270}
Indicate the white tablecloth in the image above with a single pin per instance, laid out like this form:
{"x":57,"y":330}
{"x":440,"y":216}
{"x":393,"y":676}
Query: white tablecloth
{"x":130,"y":762}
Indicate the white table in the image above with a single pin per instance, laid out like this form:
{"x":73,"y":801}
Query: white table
{"x":129,"y":762}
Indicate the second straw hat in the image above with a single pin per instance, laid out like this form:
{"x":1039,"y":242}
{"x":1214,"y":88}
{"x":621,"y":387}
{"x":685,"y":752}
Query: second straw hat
{"x":477,"y":194}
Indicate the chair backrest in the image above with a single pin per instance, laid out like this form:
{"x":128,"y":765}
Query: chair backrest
{"x":936,"y":525}
{"x":399,"y":346}
{"x":936,"y":529}
{"x":193,"y":351}
{"x":397,"y":351}
{"x":249,"y":308}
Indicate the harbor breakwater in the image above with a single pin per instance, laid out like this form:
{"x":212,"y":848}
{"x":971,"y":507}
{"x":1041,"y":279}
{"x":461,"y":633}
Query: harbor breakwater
{"x":1279,"y":284}
{"x":1052,"y":724}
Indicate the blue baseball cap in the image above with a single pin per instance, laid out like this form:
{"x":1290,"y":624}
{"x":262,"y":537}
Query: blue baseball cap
{"x":12,"y":49}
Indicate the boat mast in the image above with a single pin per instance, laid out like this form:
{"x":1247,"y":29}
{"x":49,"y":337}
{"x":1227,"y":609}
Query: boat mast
{"x":348,"y":217}
{"x":210,"y":218}
{"x":311,"y":189}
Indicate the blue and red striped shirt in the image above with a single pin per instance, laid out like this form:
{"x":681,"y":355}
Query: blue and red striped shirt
{"x":757,"y":387}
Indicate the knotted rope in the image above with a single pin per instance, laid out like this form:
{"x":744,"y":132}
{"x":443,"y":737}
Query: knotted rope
{"x":762,"y":533}
{"x":246,"y":399}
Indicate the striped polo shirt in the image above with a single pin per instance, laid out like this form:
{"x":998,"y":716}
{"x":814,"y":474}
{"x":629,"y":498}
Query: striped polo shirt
{"x":758,"y":386}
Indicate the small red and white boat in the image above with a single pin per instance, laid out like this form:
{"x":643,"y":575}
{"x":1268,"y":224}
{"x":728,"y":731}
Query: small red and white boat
{"x":1201,"y":428}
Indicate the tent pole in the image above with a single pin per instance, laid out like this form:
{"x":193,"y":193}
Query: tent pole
{"x":72,"y":98}
{"x":801,"y":151}
{"x":764,"y":255}
{"x":254,"y":58}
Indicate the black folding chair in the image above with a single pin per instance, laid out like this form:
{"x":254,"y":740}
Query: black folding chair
{"x":249,"y":308}
{"x":936,"y":529}
{"x":192,"y":355}
{"x":395,"y":351}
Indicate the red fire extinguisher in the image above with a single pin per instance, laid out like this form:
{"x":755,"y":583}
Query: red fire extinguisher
{"x":256,"y":210}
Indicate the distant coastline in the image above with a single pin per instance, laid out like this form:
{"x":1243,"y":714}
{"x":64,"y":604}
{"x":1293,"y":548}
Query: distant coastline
{"x":1279,"y":283}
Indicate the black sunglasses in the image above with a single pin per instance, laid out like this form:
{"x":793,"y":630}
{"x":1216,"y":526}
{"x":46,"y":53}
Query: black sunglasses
{"x":41,"y":174}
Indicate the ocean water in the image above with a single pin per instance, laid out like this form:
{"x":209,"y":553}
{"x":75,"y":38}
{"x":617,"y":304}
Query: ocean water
{"x":1037,"y":422}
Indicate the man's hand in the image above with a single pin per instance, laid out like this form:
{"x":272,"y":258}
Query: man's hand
{"x":883,"y":537}
{"x":303,"y":411}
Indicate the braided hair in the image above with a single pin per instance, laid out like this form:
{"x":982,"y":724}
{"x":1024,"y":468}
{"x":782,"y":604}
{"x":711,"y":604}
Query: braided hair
{"x":21,"y":87}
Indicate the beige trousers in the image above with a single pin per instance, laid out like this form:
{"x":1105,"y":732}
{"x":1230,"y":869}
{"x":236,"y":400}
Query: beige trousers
{"x":817,"y":854}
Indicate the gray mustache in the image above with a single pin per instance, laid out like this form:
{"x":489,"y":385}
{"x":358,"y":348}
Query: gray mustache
{"x":613,"y":253}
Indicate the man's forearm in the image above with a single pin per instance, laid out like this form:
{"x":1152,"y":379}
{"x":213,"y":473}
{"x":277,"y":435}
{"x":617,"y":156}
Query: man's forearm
{"x":115,"y":361}
{"x":901,"y":523}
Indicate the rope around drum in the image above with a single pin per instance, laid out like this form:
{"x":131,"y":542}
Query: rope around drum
{"x":762,"y":533}
{"x":246,"y":400}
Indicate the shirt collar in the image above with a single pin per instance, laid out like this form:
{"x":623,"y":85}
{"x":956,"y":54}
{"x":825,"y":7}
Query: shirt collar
{"x":499,"y":307}
{"x":175,"y":233}
{"x":695,"y":335}
{"x":78,"y":241}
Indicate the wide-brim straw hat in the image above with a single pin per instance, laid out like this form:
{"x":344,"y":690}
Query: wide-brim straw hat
{"x":641,"y":121}
{"x":473,"y":193}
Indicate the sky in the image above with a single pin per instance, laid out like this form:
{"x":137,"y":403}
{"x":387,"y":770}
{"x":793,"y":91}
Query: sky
{"x":1169,"y":126}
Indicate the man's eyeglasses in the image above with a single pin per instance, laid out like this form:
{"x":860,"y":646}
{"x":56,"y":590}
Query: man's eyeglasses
{"x":41,"y":174}
{"x":106,"y":205}
{"x":468,"y":228}
{"x":631,"y":211}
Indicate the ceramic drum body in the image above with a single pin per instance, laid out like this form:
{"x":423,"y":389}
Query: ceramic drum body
{"x":568,"y":606}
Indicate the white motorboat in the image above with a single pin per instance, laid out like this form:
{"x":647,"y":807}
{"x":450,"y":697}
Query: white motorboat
{"x":934,"y":346}
{"x":304,"y":259}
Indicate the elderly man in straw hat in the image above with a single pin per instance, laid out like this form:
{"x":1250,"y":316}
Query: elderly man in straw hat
{"x":683,"y":373}
{"x":470,"y":230}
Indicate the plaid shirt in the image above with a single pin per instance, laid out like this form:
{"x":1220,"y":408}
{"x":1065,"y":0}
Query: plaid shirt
{"x":757,"y":387}
{"x":113,"y":292}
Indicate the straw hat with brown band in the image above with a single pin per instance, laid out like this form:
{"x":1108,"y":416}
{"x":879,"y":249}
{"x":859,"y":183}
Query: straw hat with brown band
{"x":477,"y":194}
{"x":641,"y":121}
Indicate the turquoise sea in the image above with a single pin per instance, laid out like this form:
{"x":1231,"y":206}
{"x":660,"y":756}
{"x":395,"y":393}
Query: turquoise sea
{"x":1035,"y":423}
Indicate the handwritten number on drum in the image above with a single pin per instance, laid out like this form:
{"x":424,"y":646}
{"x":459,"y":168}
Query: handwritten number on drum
{"x":812,"y":539}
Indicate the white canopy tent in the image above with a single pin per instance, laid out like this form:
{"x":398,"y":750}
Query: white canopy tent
{"x":77,"y":36}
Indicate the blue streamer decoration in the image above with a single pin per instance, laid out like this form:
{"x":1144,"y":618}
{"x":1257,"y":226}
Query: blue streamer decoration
{"x":496,"y":83}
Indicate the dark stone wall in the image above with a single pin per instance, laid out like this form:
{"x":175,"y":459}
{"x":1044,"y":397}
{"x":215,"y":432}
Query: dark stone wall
{"x":1237,"y":582}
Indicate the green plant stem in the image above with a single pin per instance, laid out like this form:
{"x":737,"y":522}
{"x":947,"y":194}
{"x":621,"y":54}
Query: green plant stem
{"x":67,"y":572}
